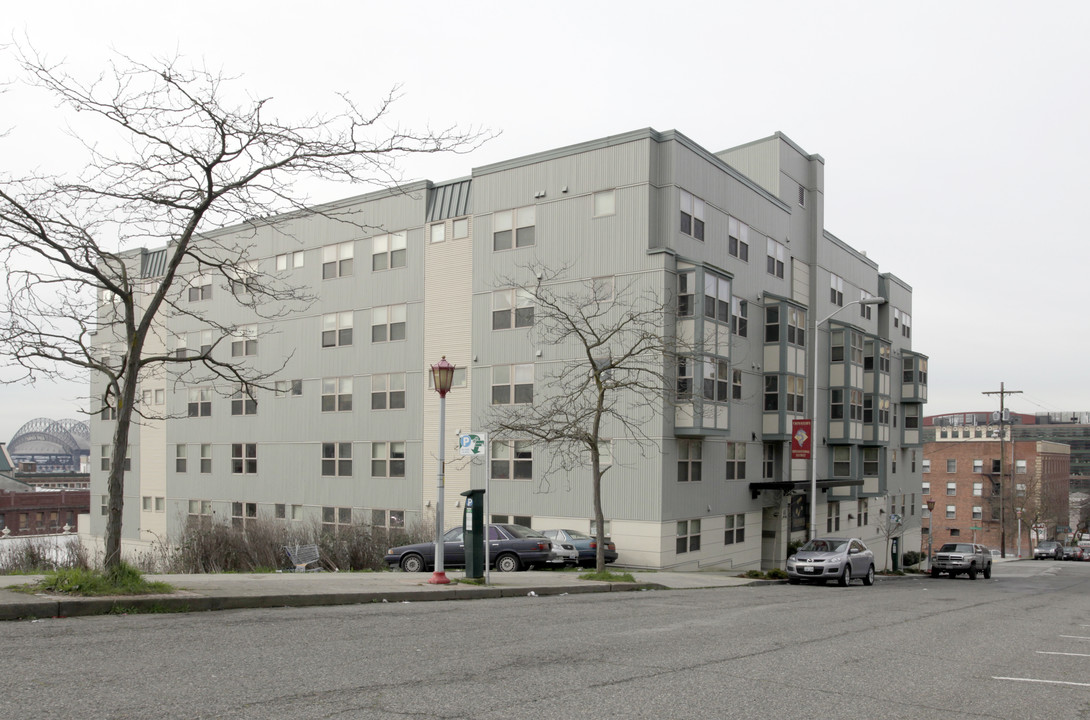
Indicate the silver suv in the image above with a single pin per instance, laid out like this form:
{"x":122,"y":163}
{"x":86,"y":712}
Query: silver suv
{"x":957,"y":558}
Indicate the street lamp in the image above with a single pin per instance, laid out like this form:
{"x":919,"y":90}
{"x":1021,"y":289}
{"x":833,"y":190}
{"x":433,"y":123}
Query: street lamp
{"x":443,"y":376}
{"x":930,"y":529}
{"x":814,"y":405}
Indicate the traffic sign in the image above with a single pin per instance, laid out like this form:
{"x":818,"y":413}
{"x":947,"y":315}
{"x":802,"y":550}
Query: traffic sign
{"x":472,"y":444}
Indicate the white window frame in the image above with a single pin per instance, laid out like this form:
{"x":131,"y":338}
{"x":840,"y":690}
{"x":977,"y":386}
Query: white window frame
{"x":337,"y":329}
{"x":388,"y":459}
{"x":777,"y":259}
{"x":738,"y":239}
{"x":337,"y":393}
{"x":519,"y":223}
{"x":516,"y":378}
{"x":294,"y":259}
{"x":509,"y":309}
{"x":512,"y":459}
{"x":390,"y":387}
{"x":692,"y":215}
{"x":604,"y":203}
{"x":336,"y":457}
{"x":338,"y":260}
{"x":389,"y":252}
{"x":243,"y":458}
{"x":391,"y":319}
{"x":244,"y":341}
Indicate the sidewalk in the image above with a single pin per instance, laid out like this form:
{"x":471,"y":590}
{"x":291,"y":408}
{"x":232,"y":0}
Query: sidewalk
{"x":229,"y":591}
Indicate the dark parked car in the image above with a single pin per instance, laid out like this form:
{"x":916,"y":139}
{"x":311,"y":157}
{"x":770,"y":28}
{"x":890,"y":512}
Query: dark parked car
{"x":510,"y":548}
{"x":957,"y":558}
{"x":585,"y":544}
{"x":840,"y":559}
{"x":1048,"y":549}
{"x":1074,"y":552}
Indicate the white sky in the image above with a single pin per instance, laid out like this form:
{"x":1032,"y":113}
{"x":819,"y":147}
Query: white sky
{"x":954,"y":134}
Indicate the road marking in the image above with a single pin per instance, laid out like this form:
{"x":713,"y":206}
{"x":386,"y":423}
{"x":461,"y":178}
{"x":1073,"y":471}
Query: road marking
{"x":1047,"y":682}
{"x":1045,"y":652}
{"x":1075,"y":637}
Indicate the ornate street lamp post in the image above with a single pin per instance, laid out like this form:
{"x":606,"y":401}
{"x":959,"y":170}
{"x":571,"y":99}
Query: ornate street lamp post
{"x":443,"y":376}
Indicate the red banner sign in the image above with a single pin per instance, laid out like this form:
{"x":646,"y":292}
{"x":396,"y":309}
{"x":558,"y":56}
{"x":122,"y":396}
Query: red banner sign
{"x":800,"y":439}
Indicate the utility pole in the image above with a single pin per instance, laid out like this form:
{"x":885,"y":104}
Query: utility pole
{"x":1002,"y":392}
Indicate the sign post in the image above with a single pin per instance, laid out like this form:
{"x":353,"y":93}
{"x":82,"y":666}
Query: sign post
{"x":476,"y":445}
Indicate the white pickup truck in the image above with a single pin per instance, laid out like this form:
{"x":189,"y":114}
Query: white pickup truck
{"x":957,"y":558}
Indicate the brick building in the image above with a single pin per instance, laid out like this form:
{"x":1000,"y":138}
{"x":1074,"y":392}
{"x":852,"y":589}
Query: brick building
{"x":982,"y":484}
{"x":41,"y":512}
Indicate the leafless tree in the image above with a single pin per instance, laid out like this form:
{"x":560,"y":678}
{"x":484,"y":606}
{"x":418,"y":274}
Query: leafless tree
{"x":193,"y":156}
{"x":616,"y":349}
{"x":890,"y":524}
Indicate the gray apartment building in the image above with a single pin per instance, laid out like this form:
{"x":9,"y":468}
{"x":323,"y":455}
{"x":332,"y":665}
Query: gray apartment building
{"x":348,"y":430}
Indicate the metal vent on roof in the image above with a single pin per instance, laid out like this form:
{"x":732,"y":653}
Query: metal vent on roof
{"x":451,"y":200}
{"x":153,"y":264}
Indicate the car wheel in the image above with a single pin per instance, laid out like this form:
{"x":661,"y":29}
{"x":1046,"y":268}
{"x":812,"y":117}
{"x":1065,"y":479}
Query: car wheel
{"x":412,"y":563}
{"x":988,"y":571}
{"x":972,"y":572}
{"x":508,"y":563}
{"x":846,"y":579}
{"x":868,"y":579}
{"x":934,"y":572}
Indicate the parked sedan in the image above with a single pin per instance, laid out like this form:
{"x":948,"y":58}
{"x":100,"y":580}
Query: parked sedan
{"x":840,"y":559}
{"x":585,"y":544}
{"x":1048,"y":549}
{"x":1074,"y":552}
{"x":510,"y":548}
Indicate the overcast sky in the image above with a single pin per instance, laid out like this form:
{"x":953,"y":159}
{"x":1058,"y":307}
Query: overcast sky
{"x":954,"y":135}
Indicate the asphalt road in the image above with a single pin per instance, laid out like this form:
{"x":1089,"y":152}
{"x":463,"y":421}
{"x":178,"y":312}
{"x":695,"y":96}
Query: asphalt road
{"x":1015,"y":646}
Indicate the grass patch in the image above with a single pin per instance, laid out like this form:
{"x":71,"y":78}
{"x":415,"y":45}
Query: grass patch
{"x":152,"y":609}
{"x":608,"y":576}
{"x":470,"y":581}
{"x":121,"y":580}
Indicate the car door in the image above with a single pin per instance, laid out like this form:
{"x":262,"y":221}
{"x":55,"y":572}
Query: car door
{"x":857,"y":558}
{"x":454,"y":547}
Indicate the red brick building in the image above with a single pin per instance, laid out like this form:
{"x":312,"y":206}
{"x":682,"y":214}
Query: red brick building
{"x":982,"y":487}
{"x":42,"y":512}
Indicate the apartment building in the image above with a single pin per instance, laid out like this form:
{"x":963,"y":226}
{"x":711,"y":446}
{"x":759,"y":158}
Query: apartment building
{"x":993,"y":489}
{"x":348,"y":431}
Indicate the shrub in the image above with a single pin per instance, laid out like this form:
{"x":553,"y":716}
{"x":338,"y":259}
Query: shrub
{"x":911,"y":558}
{"x":776,"y":574}
{"x":42,"y":554}
{"x":793,"y":546}
{"x":754,"y":574}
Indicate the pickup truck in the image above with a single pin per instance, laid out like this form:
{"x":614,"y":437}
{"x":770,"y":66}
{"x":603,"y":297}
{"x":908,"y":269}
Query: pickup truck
{"x":957,"y":558}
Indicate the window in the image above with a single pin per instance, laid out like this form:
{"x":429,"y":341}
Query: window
{"x":104,"y":506}
{"x":460,"y":228}
{"x":870,"y":461}
{"x":842,"y":461}
{"x":836,"y":404}
{"x":388,"y":251}
{"x":796,"y":394}
{"x":926,"y":487}
{"x":978,"y":466}
{"x":437,"y":233}
{"x":512,"y":460}
{"x":516,"y":225}
{"x":836,"y":290}
{"x":286,"y":260}
{"x":206,"y":458}
{"x":337,"y":329}
{"x":716,"y":298}
{"x":512,"y":384}
{"x":605,"y":203}
{"x":242,"y":401}
{"x":978,"y":512}
{"x":735,"y":529}
{"x":388,"y":391}
{"x":1020,"y":489}
{"x":280,"y":511}
{"x":390,"y":519}
{"x":796,"y":327}
{"x":200,"y":507}
{"x":200,"y":289}
{"x":686,"y":287}
{"x":716,"y":381}
{"x":1020,"y":467}
{"x":951,"y":466}
{"x":862,"y":512}
{"x":289,"y":388}
{"x":388,"y":323}
{"x":832,"y":518}
{"x":772,"y":392}
{"x":337,"y":260}
{"x":245,"y":280}
{"x":951,"y":512}
{"x":688,"y":460}
{"x":736,"y":461}
{"x":109,"y":413}
{"x":244,"y":341}
{"x":692,"y":215}
{"x":776,"y":257}
{"x":602,"y":289}
{"x":906,"y":326}
{"x":912,"y":417}
{"x":200,"y":402}
{"x":181,"y":458}
{"x":768,"y":461}
{"x":685,"y":368}
{"x":736,"y":384}
{"x":951,"y":488}
{"x":335,"y":518}
{"x":997,"y":465}
{"x":388,"y":459}
{"x":772,"y":324}
{"x":244,"y":458}
{"x":146,"y":503}
{"x":337,"y":459}
{"x":738,"y":244}
{"x":337,"y":394}
{"x":458,"y":381}
{"x":512,"y":308}
{"x":688,"y":536}
{"x":739,"y":317}
{"x":865,"y":310}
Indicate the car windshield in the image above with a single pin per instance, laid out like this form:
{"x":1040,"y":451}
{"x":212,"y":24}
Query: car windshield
{"x":956,"y":547}
{"x":825,"y":545}
{"x":521,"y":531}
{"x":576,"y":535}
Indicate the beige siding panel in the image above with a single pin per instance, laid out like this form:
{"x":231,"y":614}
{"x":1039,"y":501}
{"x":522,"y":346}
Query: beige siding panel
{"x":759,"y":161}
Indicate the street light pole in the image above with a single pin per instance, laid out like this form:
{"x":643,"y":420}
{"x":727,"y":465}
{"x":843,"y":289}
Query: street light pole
{"x":443,"y":376}
{"x":814,"y":406}
{"x":930,"y":530}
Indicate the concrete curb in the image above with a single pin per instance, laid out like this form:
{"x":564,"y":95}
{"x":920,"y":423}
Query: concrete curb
{"x":39,"y":606}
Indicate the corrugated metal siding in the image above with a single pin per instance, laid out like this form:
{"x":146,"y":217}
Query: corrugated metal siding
{"x":153,"y":264}
{"x":759,"y":161}
{"x":448,"y":201}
